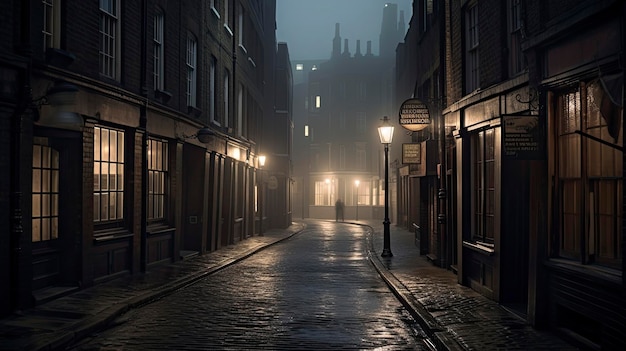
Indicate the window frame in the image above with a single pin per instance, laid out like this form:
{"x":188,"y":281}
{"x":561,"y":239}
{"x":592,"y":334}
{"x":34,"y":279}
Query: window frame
{"x":159,"y":51}
{"x":110,"y":42}
{"x":584,"y":169}
{"x":51,"y":30}
{"x":191,"y":64}
{"x":472,"y":44}
{"x":158,"y":169}
{"x":120,"y":167}
{"x":45,"y":189}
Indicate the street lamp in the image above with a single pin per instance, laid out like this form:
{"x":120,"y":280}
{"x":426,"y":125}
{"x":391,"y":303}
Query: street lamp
{"x":357,"y":182}
{"x":385,"y":132}
{"x":261,"y":164}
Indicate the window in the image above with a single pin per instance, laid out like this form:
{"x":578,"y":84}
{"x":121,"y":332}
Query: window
{"x":299,"y":67}
{"x":227,"y":15}
{"x":240,"y":110}
{"x":240,"y":23}
{"x":342,"y":157}
{"x":108,"y":173}
{"x":363,"y":193}
{"x":227,"y":99}
{"x":324,"y":192}
{"x":589,"y":177}
{"x":51,"y":24}
{"x":157,"y":179}
{"x":109,"y":34}
{"x":516,"y":58}
{"x":361,"y":156}
{"x":212,"y":90}
{"x":361,"y":123}
{"x":158,"y":57}
{"x":483,"y":190}
{"x":159,"y":63}
{"x":472,"y":74}
{"x":191,"y":70}
{"x":45,"y":193}
{"x":318,"y":101}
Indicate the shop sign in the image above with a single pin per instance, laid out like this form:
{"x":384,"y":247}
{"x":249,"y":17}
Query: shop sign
{"x":523,"y":137}
{"x":411,"y":153}
{"x":414,"y":115}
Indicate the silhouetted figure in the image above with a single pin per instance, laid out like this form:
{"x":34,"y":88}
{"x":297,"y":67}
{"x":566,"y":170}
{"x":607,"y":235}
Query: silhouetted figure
{"x":339,"y":210}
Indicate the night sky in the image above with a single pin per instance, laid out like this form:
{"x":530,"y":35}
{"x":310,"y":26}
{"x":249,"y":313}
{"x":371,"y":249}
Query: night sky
{"x":308,"y":26}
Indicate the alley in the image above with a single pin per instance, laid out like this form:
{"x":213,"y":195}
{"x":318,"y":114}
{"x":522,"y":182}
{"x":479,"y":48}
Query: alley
{"x":316,"y":290}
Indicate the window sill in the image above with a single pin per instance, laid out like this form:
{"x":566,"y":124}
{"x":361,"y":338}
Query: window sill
{"x":162,"y":95}
{"x":227,"y":27}
{"x":159,"y":229}
{"x":215,"y":13}
{"x":482,"y":248}
{"x":192,"y":110}
{"x":111,"y":235}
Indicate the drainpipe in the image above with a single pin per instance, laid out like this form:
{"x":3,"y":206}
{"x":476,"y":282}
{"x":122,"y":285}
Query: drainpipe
{"x":18,"y":290}
{"x":143,"y":121}
{"x":442,"y":194}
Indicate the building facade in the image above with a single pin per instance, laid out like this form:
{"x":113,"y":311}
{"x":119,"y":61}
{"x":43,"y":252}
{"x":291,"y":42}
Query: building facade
{"x":132,"y":136}
{"x":530,"y":198}
{"x":344,"y":100}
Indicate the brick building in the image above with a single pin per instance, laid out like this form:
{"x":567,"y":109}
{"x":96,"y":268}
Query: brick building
{"x":131,"y":136}
{"x":527,"y":103}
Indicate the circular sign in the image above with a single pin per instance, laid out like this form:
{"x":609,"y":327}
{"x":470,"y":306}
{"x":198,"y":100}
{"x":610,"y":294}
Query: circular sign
{"x":414,"y":115}
{"x":272,"y":183}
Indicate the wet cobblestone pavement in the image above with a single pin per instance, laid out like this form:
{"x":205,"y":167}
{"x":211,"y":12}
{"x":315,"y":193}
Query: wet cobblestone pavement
{"x":315,"y":291}
{"x":453,"y":316}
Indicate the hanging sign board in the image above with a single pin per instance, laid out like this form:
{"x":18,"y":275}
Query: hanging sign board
{"x":523,"y":137}
{"x":414,"y":115}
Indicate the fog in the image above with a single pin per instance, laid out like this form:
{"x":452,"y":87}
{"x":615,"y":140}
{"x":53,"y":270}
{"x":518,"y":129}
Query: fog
{"x":308,"y":26}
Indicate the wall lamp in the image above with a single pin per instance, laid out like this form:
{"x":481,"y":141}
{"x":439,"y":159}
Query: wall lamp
{"x":203,"y":135}
{"x":61,"y":102}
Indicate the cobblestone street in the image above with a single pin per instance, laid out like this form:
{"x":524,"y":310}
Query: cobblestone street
{"x":316,"y":290}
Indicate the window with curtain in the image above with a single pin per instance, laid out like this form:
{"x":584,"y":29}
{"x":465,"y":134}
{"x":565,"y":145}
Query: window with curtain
{"x":589,"y":176}
{"x":108,"y":175}
{"x":45,"y":193}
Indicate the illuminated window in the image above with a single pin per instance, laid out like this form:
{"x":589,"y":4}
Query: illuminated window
{"x":157,"y":179}
{"x":324,"y":192}
{"x":318,"y":101}
{"x":108,"y":174}
{"x":45,"y":193}
{"x":589,"y":177}
{"x":306,"y":131}
{"x":299,"y":67}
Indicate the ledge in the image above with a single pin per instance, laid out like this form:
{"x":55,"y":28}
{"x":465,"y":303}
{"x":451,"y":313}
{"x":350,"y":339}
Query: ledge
{"x":480,"y":248}
{"x":102,"y":236}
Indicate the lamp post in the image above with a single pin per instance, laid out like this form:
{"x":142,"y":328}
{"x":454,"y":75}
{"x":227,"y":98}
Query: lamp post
{"x":261,"y":164}
{"x":385,"y":132}
{"x":357,"y":182}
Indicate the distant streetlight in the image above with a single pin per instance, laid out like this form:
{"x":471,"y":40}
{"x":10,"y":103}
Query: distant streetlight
{"x":385,"y":132}
{"x":261,"y":164}
{"x":356,"y":183}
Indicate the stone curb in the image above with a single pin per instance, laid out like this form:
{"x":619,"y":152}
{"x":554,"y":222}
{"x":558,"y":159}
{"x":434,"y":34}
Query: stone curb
{"x":440,"y":337}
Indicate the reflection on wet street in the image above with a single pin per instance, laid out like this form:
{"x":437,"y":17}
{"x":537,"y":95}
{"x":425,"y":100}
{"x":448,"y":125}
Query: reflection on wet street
{"x":316,"y":290}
